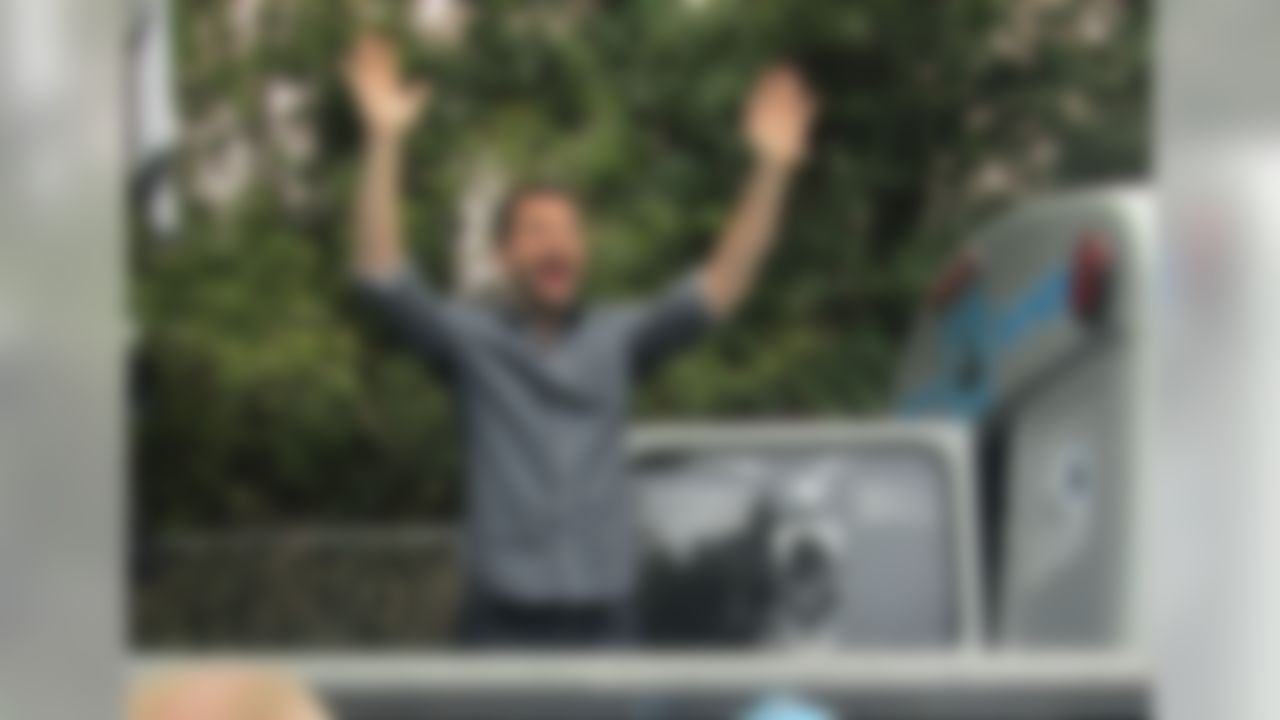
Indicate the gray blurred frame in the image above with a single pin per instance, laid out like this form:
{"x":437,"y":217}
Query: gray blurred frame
{"x":910,"y":686}
{"x":962,"y":683}
{"x":949,"y":442}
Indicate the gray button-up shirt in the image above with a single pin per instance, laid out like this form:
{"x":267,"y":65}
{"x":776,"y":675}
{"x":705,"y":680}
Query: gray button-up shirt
{"x":548,"y":511}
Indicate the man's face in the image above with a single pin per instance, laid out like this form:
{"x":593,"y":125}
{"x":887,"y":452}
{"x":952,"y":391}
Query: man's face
{"x":545,"y":250}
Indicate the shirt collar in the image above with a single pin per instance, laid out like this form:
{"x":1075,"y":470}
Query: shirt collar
{"x":518,"y":315}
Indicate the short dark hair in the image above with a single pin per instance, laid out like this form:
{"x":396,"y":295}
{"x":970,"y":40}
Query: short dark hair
{"x":528,"y":191}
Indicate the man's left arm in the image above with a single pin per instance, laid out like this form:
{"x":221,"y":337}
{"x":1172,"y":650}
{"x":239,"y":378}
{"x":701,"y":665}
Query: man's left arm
{"x":776,"y":124}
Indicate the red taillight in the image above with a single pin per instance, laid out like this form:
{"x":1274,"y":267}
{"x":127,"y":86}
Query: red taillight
{"x":954,"y":281}
{"x":1091,"y":276}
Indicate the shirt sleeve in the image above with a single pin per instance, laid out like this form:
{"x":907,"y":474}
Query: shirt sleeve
{"x":670,"y":323}
{"x":416,"y":313}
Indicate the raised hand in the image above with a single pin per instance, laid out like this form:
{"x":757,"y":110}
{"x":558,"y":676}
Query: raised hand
{"x":776,"y":124}
{"x":778,"y":116}
{"x":387,"y":102}
{"x":388,"y":105}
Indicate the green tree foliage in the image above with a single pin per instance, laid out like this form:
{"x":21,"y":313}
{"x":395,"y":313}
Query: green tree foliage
{"x":263,"y":394}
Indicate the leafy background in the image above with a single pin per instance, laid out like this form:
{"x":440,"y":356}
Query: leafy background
{"x":261,"y":394}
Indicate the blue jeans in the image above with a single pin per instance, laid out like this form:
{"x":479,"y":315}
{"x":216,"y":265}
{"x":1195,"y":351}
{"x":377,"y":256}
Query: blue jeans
{"x":489,"y":621}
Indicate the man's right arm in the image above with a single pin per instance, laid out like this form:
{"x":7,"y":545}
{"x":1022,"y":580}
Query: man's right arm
{"x":388,"y":107}
{"x":379,"y":248}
